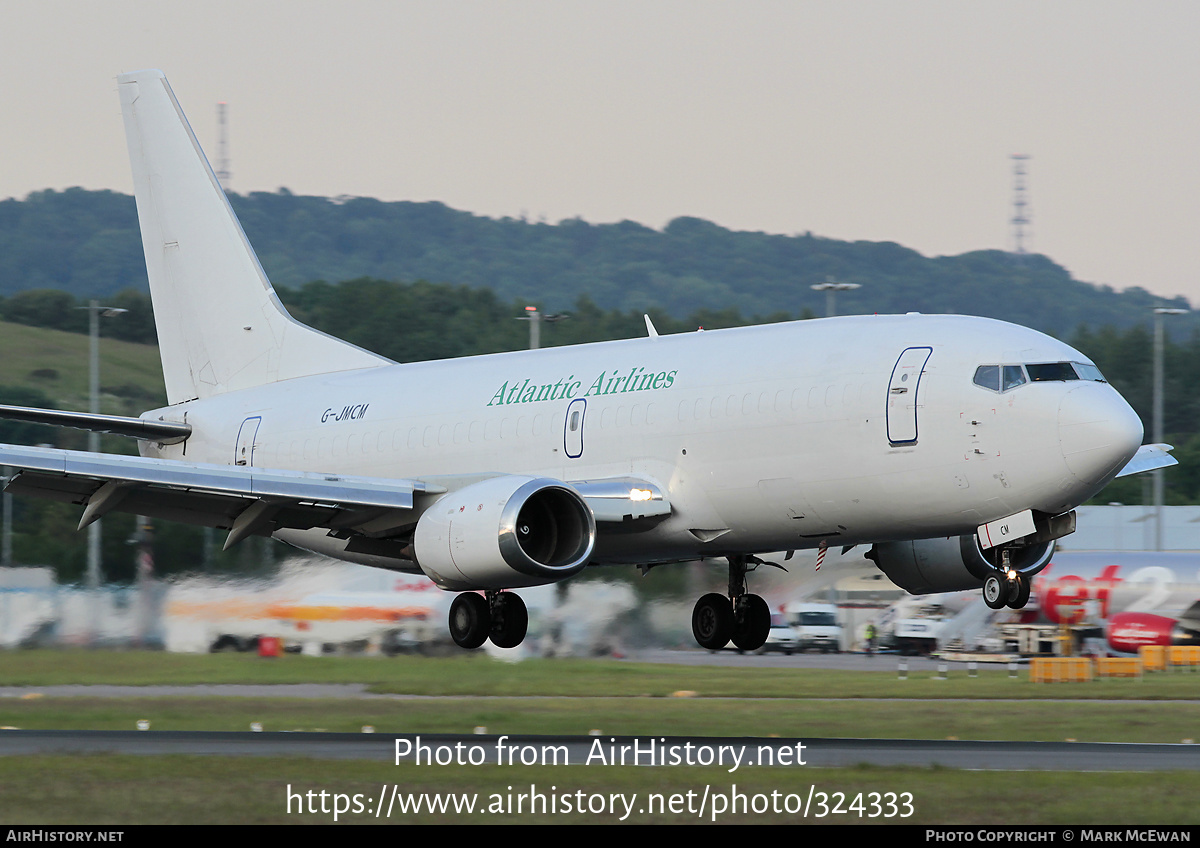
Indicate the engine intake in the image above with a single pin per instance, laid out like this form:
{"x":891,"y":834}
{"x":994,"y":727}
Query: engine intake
{"x":951,"y":564}
{"x":504,"y":533}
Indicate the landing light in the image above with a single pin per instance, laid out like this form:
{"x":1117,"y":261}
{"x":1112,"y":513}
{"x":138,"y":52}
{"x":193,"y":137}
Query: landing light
{"x":640,"y":494}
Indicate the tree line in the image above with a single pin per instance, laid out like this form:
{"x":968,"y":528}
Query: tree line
{"x":87,"y":243}
{"x":422,"y":320}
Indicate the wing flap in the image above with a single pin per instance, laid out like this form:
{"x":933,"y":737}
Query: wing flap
{"x":244,"y":481}
{"x":244,"y":500}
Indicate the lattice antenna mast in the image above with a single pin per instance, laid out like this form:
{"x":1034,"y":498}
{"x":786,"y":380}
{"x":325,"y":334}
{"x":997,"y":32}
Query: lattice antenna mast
{"x":223,"y":174}
{"x":1020,"y":218}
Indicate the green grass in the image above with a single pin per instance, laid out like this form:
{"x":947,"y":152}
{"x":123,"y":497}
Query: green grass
{"x":576,"y":697}
{"x":1161,"y":721}
{"x":124,"y":790}
{"x":25,"y":350}
{"x":478,"y":674}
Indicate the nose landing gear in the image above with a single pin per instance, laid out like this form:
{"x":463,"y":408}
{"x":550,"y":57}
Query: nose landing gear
{"x":1006,"y":587}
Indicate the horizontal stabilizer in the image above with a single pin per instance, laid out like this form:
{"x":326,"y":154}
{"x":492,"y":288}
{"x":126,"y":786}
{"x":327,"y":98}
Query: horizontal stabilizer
{"x":1148,"y":458}
{"x":164,"y":432}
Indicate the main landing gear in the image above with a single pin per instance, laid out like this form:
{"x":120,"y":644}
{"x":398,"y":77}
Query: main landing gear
{"x":500,"y":616}
{"x":1005,"y":587}
{"x":741,"y":618}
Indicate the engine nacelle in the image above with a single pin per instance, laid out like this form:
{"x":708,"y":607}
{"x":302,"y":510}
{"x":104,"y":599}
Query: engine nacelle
{"x":926,"y":566}
{"x":1128,"y":631}
{"x":504,"y":533}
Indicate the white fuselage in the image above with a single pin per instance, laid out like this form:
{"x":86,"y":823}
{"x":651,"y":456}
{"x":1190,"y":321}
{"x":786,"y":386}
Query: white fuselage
{"x":763,"y":438}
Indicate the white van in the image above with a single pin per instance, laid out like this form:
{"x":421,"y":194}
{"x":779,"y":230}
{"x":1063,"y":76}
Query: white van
{"x":816,"y":627}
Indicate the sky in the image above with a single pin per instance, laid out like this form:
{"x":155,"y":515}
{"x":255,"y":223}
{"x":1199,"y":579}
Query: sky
{"x":867,"y":120}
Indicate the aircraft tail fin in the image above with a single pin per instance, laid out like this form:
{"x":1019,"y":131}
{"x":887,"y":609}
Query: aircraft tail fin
{"x":220,"y":324}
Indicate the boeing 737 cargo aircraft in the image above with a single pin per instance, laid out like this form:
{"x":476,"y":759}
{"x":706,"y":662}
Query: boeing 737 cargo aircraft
{"x":956,"y":446}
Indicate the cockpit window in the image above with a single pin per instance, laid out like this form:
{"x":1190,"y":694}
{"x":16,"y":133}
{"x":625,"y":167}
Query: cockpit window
{"x":988,"y":376}
{"x":1001,"y":378}
{"x":1014,"y":375}
{"x":1087,"y":371}
{"x":1051,"y":372}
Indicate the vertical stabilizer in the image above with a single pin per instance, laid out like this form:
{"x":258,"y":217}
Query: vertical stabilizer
{"x":220,"y":325}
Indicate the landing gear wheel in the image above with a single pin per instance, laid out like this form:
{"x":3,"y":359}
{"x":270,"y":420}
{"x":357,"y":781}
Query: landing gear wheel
{"x":1018,"y":594}
{"x":470,"y":620}
{"x":712,"y":621}
{"x":995,"y":591}
{"x":752,"y":623}
{"x":510,"y":620}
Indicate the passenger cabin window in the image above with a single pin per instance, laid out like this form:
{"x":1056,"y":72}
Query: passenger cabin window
{"x":1002,"y":378}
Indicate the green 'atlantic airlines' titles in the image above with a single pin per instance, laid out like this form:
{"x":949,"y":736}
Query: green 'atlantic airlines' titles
{"x":637,"y":380}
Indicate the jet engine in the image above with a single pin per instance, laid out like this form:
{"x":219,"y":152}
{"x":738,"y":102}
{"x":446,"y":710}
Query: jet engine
{"x":951,"y":564}
{"x":1128,"y":631}
{"x":504,"y":533}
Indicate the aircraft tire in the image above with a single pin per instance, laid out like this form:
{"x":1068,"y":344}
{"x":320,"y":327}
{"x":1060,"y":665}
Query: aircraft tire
{"x":511,"y":622}
{"x":995,"y":592}
{"x":470,"y":620}
{"x":712,"y":621}
{"x":752,"y":623}
{"x":1018,"y":595}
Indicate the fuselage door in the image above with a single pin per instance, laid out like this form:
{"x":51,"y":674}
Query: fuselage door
{"x":573,"y":429}
{"x":244,"y":452}
{"x":902,"y":399}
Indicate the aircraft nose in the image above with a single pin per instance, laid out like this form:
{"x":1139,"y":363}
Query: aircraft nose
{"x":1098,"y":432}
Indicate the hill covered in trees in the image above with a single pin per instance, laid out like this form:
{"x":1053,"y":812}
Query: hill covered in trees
{"x":87,"y":243}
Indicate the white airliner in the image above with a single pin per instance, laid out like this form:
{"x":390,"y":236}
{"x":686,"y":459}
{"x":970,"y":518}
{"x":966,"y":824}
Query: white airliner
{"x":957,"y":446}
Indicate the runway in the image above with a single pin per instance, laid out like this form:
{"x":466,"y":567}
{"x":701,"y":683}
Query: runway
{"x":755,"y":752}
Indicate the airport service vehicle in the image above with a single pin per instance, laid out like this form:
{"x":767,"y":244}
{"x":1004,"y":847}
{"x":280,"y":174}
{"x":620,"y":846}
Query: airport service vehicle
{"x":781,"y":636}
{"x":956,"y":446}
{"x":919,"y":633}
{"x":816,"y":627}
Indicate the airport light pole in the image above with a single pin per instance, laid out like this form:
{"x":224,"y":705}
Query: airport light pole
{"x":535,"y":319}
{"x":95,"y":312}
{"x":831,"y":289}
{"x":6,"y":533}
{"x":1157,"y":473}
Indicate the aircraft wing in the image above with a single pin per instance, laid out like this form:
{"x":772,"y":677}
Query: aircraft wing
{"x":244,"y":500}
{"x":248,"y":500}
